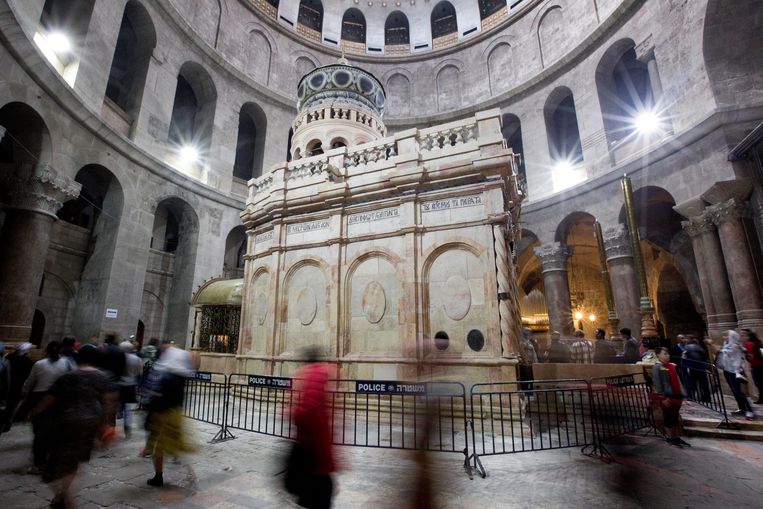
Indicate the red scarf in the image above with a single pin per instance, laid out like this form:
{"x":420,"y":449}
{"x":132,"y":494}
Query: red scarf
{"x":675,"y":382}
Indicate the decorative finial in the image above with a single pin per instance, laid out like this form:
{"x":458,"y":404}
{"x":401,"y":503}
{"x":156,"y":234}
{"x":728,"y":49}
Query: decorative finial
{"x":343,"y":60}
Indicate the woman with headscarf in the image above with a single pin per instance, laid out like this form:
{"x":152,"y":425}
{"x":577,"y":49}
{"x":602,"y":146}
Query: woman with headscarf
{"x":731,"y":360}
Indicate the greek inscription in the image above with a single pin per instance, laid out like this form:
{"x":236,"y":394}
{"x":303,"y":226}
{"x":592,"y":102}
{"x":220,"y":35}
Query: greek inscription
{"x":452,"y":203}
{"x":264,"y":237}
{"x":376,"y":215}
{"x":307,"y":227}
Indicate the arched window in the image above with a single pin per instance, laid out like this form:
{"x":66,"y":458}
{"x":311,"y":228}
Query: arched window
{"x":61,"y":34}
{"x":250,"y":146}
{"x":311,"y":14}
{"x":194,"y":109}
{"x":135,"y":43}
{"x":396,"y":29}
{"x":625,"y":92}
{"x":562,"y":128}
{"x":489,"y":7}
{"x":511,"y":129}
{"x":443,"y":20}
{"x":354,"y":26}
{"x":314,"y":148}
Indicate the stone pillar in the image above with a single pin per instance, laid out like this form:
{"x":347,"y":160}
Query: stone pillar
{"x":645,"y":53}
{"x":508,"y":296}
{"x":745,"y":287}
{"x":622,"y":271}
{"x":31,"y":203}
{"x":716,"y":292}
{"x":553,"y":258}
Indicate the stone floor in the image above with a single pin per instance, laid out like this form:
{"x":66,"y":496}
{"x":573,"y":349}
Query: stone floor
{"x":244,"y":473}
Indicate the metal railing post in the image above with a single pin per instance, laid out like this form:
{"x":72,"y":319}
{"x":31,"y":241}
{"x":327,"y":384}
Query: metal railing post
{"x":224,"y":434}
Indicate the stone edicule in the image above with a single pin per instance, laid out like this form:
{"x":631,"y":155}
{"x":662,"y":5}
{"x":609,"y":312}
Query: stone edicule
{"x":373,"y":250}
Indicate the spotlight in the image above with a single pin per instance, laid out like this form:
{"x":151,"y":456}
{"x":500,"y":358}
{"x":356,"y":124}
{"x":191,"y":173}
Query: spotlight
{"x":59,"y":42}
{"x":578,"y":315}
{"x":563,"y":166}
{"x":189,"y":154}
{"x":647,"y":122}
{"x":591,"y":318}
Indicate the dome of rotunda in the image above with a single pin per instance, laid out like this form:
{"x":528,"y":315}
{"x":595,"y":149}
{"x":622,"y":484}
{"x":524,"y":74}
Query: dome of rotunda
{"x":341,"y":82}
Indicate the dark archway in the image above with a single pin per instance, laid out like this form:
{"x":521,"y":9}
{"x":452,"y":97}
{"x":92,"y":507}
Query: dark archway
{"x":511,"y":129}
{"x":675,"y":306}
{"x":38,"y":328}
{"x":193,"y":110}
{"x":250,"y":145}
{"x":354,"y":26}
{"x":311,"y":14}
{"x":135,"y":43}
{"x":397,"y":29}
{"x":443,"y":20}
{"x":562,"y":127}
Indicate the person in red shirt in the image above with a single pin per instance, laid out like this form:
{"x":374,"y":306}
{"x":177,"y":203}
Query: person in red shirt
{"x":754,"y":348}
{"x":668,"y":393}
{"x":311,"y":416}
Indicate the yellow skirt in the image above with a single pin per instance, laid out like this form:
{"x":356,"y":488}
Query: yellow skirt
{"x":169,"y":432}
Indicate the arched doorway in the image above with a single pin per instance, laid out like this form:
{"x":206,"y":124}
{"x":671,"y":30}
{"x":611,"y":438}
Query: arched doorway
{"x":38,"y":328}
{"x":139,"y":332}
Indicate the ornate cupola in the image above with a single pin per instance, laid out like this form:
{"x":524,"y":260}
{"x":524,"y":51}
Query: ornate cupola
{"x":339,"y":105}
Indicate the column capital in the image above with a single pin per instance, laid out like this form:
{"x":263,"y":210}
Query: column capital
{"x":698,"y":225}
{"x":553,"y":256}
{"x":729,"y":210}
{"x":41,"y":189}
{"x":617,"y":242}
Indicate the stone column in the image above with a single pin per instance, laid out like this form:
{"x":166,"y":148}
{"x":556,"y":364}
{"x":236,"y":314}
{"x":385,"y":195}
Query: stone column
{"x":622,"y":271}
{"x":645,"y":53}
{"x":31,"y":199}
{"x":745,"y":287}
{"x":716,"y":292}
{"x":553,"y":258}
{"x":508,"y":296}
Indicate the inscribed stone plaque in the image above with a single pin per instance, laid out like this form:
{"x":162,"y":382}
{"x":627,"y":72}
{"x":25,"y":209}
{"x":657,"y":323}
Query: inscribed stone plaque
{"x":374,"y":302}
{"x":456,"y":297}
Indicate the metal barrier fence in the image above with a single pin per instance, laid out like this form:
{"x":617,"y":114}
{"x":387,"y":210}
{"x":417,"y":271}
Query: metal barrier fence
{"x":497,"y":418}
{"x":702,"y":382}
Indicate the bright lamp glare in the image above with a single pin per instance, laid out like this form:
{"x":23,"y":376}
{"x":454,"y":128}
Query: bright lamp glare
{"x":189,"y":154}
{"x":591,"y":318}
{"x":563,"y":166}
{"x":578,"y":316}
{"x":59,"y":42}
{"x":647,"y":122}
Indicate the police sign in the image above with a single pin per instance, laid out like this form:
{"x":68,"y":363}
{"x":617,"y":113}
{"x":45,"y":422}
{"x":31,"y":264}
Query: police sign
{"x":203,"y":375}
{"x":388,"y":387}
{"x":274,"y":382}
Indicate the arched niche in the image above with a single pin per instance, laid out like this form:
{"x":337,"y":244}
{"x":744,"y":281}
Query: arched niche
{"x":305,"y":309}
{"x":235,"y":249}
{"x":562,"y":127}
{"x":250,"y":143}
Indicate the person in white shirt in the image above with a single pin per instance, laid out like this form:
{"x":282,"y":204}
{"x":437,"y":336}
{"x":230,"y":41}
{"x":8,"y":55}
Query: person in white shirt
{"x":43,"y":375}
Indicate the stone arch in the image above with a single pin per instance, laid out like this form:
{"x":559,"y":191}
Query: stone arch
{"x":396,"y":29}
{"x":511,"y":130}
{"x":193,"y":110}
{"x":729,"y":26}
{"x":623,"y":87}
{"x":129,"y":65}
{"x":303,"y":64}
{"x":353,"y":26}
{"x":235,"y":249}
{"x":562,"y":127}
{"x":305,"y":306}
{"x":183,"y":249}
{"x":255,"y":325}
{"x":27,"y":140}
{"x":499,"y":67}
{"x":657,"y":221}
{"x":310,"y":14}
{"x":260,"y":54}
{"x":551,"y":34}
{"x":64,"y":22}
{"x":443,"y":19}
{"x":398,"y":88}
{"x":456,"y":293}
{"x":250,"y":144}
{"x":373,"y":291}
{"x":448,"y":82}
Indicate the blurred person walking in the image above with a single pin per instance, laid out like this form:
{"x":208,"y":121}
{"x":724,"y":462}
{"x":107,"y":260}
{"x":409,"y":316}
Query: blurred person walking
{"x":77,"y":403}
{"x":631,"y":353}
{"x":695,"y":359}
{"x":20,"y":366}
{"x":754,"y":347}
{"x":165,"y":422}
{"x":581,"y":351}
{"x":44,"y":374}
{"x":731,"y":360}
{"x":604,"y":352}
{"x":527,"y":357}
{"x":668,"y":393}
{"x":557,"y":351}
{"x":112,"y":361}
{"x":312,"y":418}
{"x":128,"y":382}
